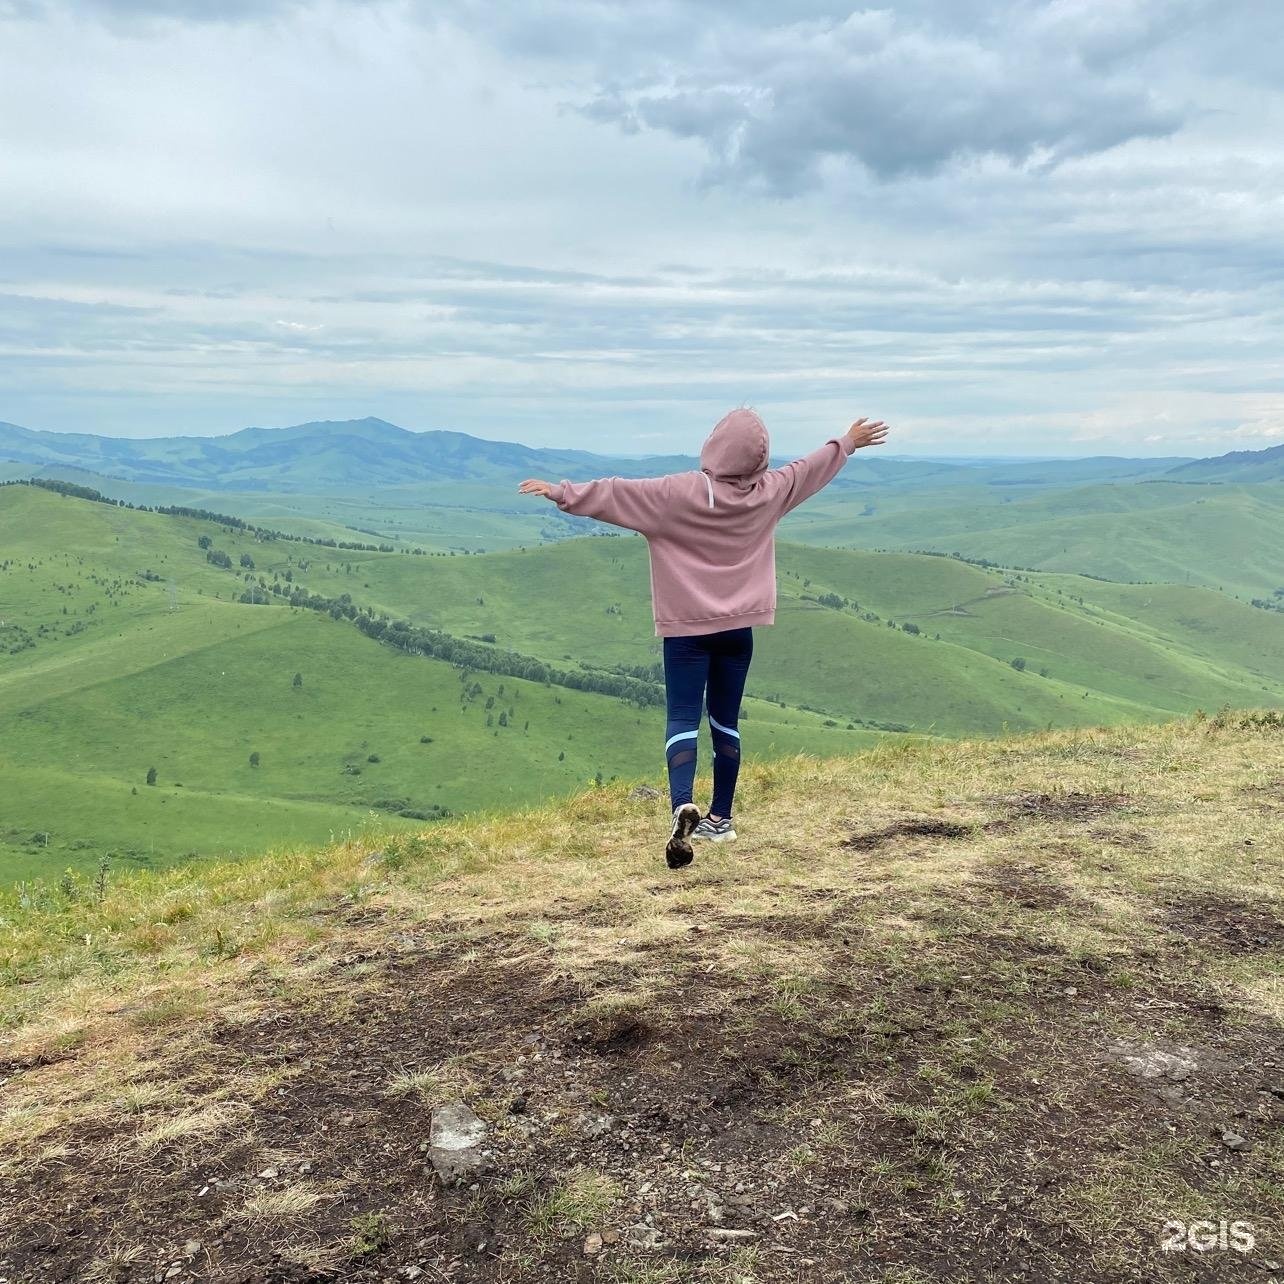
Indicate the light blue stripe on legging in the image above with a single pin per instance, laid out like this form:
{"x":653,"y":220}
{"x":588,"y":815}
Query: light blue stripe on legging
{"x":682,"y":735}
{"x":726,"y":731}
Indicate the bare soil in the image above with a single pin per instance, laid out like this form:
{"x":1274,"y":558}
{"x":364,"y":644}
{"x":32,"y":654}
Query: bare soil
{"x":942,"y":1113}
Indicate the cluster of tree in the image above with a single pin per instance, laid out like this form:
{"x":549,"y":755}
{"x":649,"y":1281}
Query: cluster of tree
{"x":411,"y":810}
{"x":62,"y":488}
{"x":983,"y":562}
{"x":485,"y":658}
{"x":643,"y":672}
{"x":1021,"y":666}
{"x":639,"y":685}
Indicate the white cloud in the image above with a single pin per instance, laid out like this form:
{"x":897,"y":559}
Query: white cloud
{"x":218,"y":215}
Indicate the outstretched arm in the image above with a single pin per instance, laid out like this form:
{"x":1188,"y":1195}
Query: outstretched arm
{"x":635,"y":503}
{"x":804,"y":477}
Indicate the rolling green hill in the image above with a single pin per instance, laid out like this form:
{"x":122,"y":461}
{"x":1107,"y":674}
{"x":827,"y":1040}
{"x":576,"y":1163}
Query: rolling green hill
{"x":1222,"y":536}
{"x":1216,"y":522}
{"x":332,"y":455}
{"x":122,"y":649}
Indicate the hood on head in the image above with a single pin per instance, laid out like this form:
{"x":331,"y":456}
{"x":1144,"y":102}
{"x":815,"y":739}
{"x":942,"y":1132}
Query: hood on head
{"x":737,"y":448}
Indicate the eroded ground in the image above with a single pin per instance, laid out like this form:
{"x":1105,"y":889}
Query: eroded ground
{"x":968,"y":1031}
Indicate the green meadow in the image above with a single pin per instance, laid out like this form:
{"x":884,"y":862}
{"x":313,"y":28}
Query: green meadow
{"x":1226,"y":536}
{"x":125,"y":651}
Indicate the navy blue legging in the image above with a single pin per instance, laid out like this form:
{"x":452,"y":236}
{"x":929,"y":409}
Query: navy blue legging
{"x":712,"y":668}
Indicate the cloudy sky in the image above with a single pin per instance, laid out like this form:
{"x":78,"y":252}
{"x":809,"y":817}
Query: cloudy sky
{"x":1004,"y":226}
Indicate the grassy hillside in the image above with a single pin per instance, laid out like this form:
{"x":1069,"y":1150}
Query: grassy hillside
{"x":588,"y":599}
{"x":1216,"y":522}
{"x":948,"y":1012}
{"x":1222,"y":536}
{"x":123,"y":649}
{"x":105,"y":674}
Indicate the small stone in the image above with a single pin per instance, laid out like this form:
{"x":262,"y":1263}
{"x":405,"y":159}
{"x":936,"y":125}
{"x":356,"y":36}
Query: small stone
{"x":191,"y":1248}
{"x":268,"y":1173}
{"x":644,"y":793}
{"x":644,"y":1237}
{"x":1145,"y":1062}
{"x":1233,"y":1141}
{"x":592,"y":1244}
{"x":594,"y":1124}
{"x":455,"y":1135}
{"x":726,"y":1235}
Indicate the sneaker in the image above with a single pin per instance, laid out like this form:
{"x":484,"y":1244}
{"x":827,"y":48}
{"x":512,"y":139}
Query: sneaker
{"x":714,"y":831}
{"x":678,"y":851}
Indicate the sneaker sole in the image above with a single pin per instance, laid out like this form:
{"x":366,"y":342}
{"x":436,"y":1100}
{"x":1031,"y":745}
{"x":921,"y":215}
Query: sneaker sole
{"x":714,"y":838}
{"x":678,"y":852}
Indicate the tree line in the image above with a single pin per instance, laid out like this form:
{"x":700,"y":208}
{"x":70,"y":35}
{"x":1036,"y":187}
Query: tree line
{"x":76,"y":491}
{"x":464,"y":653}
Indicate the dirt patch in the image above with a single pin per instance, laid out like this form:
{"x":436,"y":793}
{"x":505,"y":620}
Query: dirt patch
{"x":1027,"y":886}
{"x":912,"y":827}
{"x":1072,"y":805}
{"x":1272,"y":787}
{"x":822,"y":1124}
{"x":1122,"y":836}
{"x":1223,"y":925}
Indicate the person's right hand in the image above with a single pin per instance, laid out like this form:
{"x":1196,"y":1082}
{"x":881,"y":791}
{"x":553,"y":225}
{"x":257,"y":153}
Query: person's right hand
{"x":866,"y":432}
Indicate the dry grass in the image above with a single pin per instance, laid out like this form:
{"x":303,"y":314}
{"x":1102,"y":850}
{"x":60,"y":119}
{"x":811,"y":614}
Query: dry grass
{"x":282,"y":1204}
{"x":107,"y":1010}
{"x":187,"y":1125}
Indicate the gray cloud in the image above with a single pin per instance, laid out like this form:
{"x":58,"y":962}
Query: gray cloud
{"x":901,"y":97}
{"x":268,"y":212}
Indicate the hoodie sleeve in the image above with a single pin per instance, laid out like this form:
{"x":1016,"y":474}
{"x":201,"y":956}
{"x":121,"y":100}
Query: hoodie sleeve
{"x":804,"y":477}
{"x":636,"y":503}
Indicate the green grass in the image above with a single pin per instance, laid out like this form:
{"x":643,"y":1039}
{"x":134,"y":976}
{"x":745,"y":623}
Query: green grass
{"x":929,"y":1032}
{"x":1221,"y":536}
{"x":123,"y":649}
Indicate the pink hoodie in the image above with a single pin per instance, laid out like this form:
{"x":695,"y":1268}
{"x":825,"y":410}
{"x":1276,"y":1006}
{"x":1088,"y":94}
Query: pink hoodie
{"x":711,"y":533}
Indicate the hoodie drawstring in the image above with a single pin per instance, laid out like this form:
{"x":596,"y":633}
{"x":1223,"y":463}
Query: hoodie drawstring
{"x":708,"y":481}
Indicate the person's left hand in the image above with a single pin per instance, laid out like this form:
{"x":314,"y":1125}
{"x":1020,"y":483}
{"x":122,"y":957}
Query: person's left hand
{"x":532,"y":486}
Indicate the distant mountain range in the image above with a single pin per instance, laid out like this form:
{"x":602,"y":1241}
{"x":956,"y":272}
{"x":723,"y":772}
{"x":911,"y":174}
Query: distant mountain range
{"x":341,"y":455}
{"x":1239,"y":466}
